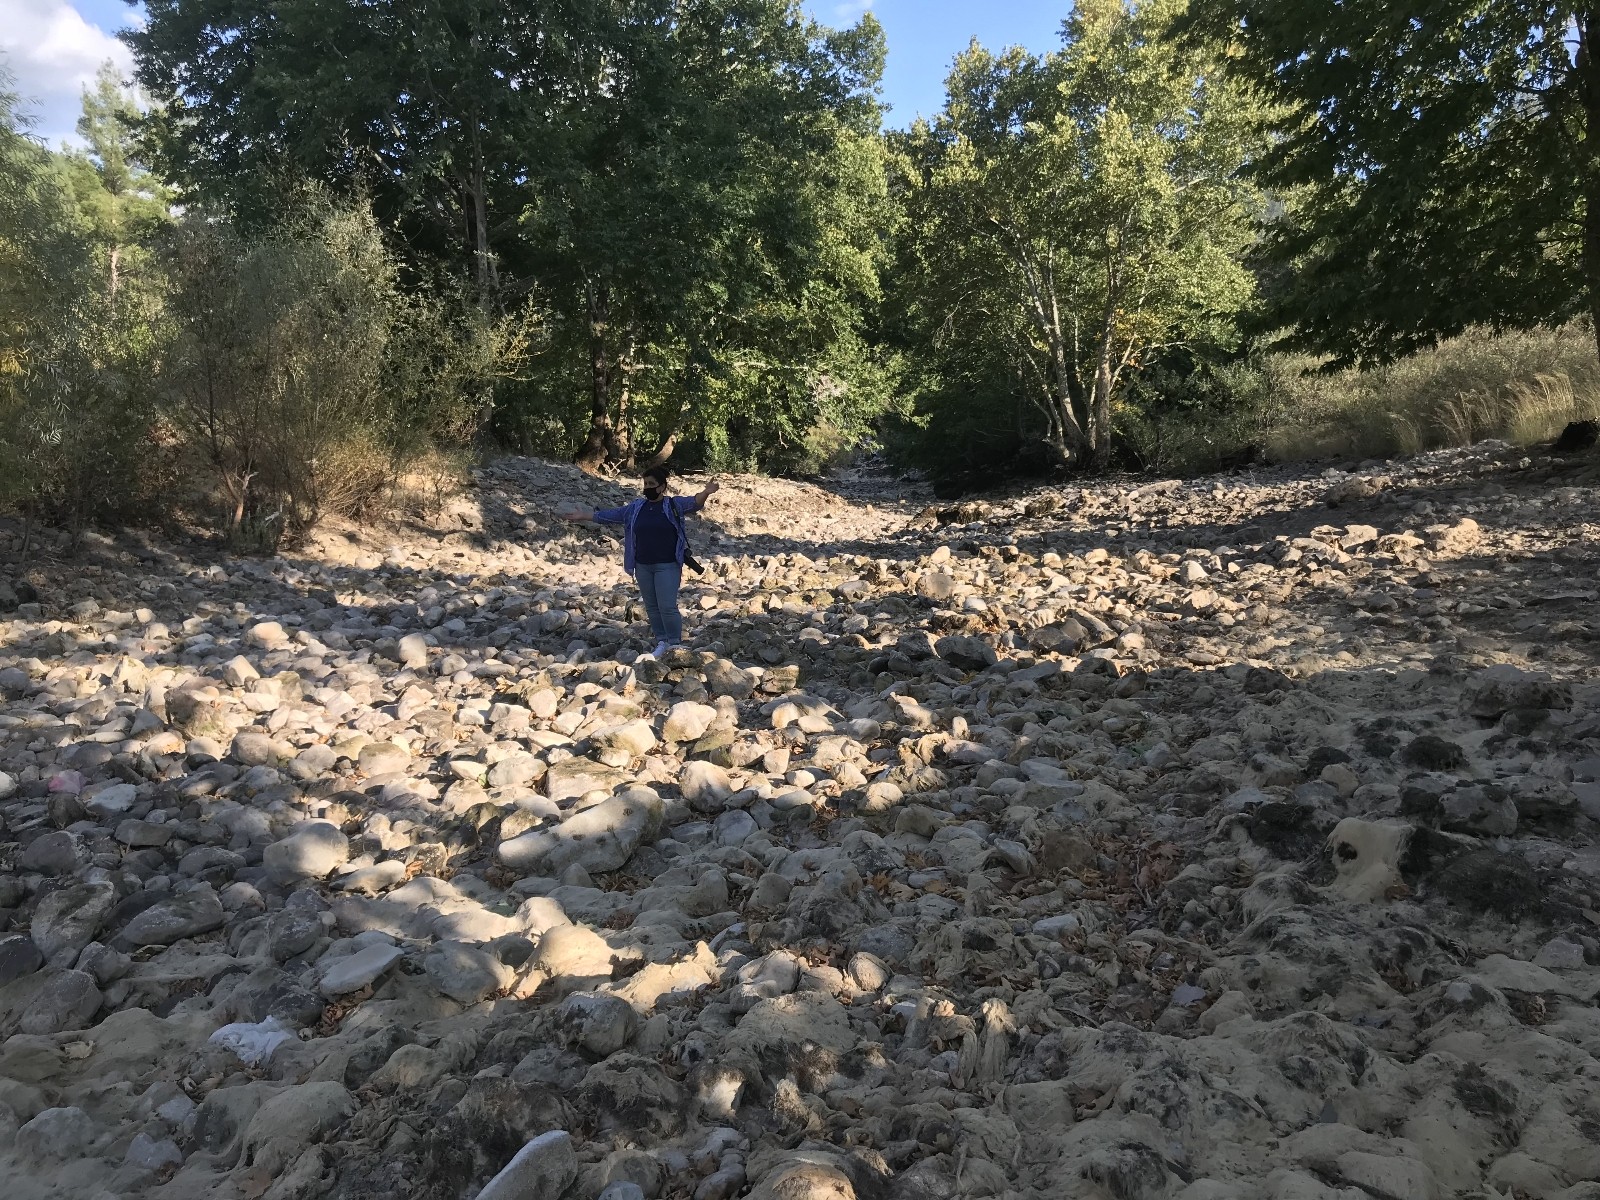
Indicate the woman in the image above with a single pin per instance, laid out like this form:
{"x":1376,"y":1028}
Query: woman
{"x":654,"y":547}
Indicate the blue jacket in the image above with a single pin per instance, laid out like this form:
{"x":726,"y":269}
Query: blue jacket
{"x":676,"y":508}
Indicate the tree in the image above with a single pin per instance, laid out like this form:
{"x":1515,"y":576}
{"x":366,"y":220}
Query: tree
{"x":435,"y":110}
{"x":75,"y":365}
{"x":123,"y":202}
{"x":680,"y":185}
{"x":1070,"y":216}
{"x":1439,"y":164}
{"x":705,"y":218}
{"x":302,"y":378}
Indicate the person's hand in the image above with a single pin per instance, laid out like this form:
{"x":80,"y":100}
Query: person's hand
{"x":572,"y":512}
{"x":710,"y":488}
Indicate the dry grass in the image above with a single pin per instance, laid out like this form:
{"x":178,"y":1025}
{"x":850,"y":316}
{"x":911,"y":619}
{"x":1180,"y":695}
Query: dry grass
{"x":1522,"y":388}
{"x":433,"y":477}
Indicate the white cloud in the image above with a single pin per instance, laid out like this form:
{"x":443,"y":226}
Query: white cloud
{"x":53,"y":53}
{"x":849,"y":12}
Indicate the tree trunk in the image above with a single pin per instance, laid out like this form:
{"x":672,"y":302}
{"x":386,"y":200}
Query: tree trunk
{"x":483,"y":269}
{"x":593,"y":455}
{"x":1587,"y":69}
{"x":619,"y":450}
{"x":1100,"y":408}
{"x":688,"y":386}
{"x":1072,"y":436}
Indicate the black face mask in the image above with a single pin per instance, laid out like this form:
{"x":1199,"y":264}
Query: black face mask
{"x":652,"y":492}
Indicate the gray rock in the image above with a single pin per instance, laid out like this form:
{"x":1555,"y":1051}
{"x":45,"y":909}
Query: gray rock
{"x":575,"y":777}
{"x":413,"y":651}
{"x":19,"y":956}
{"x":351,"y":973}
{"x":573,"y":952}
{"x":546,"y":1167}
{"x":1560,"y":954}
{"x":313,"y":851}
{"x":1496,"y":690}
{"x":966,"y":653}
{"x":467,"y":974}
{"x":734,"y":828}
{"x":704,"y":785}
{"x":195,"y":912}
{"x":68,"y":919}
{"x":57,"y":853}
{"x":147,"y":1154}
{"x":687,"y":721}
{"x":293,"y":931}
{"x":515,"y":770}
{"x":104,"y":963}
{"x":139,"y":834}
{"x":212,"y":863}
{"x":724,"y":678}
{"x":312,"y":762}
{"x":268,"y":635}
{"x":383,"y":758}
{"x":618,"y":745}
{"x":68,"y":1000}
{"x":1481,"y":809}
{"x":598,"y":1024}
{"x":599,"y":839}
{"x":108,"y":802}
{"x":58,"y":1135}
{"x":252,"y":747}
{"x":303,"y":1113}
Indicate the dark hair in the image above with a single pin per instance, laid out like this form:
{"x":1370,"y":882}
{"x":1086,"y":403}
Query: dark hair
{"x":660,"y":474}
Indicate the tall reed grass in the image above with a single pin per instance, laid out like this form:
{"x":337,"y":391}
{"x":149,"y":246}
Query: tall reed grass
{"x":1521,"y":387}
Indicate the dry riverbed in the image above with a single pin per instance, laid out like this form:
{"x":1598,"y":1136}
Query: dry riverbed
{"x":1140,"y":841}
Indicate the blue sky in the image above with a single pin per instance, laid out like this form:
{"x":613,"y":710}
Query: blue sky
{"x":54,"y":47}
{"x":925,"y":35}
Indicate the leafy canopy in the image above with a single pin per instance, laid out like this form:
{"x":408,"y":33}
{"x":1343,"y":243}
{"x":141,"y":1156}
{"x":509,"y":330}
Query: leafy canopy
{"x":1072,"y":216}
{"x":1437,"y":163}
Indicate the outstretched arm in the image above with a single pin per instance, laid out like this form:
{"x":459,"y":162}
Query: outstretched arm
{"x":697,"y":502}
{"x":603,"y":516}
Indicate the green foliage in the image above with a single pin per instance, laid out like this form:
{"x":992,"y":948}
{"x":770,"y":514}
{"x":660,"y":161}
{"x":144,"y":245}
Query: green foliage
{"x":1437,"y":163}
{"x":691,"y":191}
{"x":76,"y":353}
{"x":714,"y":275}
{"x":1070,"y":219}
{"x":434,"y":110}
{"x":124,"y":203}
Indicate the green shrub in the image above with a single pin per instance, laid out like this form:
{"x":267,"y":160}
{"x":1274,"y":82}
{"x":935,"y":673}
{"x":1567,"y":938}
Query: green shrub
{"x":302,"y":378}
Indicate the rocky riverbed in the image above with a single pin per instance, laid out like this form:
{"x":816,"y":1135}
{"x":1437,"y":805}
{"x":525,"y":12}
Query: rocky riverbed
{"x":1138,"y":841}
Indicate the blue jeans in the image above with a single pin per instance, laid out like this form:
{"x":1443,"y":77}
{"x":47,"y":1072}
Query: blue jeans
{"x":658,"y":584}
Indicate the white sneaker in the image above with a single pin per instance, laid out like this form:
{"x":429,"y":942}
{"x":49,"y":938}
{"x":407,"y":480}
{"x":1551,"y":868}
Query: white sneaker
{"x":660,"y":650}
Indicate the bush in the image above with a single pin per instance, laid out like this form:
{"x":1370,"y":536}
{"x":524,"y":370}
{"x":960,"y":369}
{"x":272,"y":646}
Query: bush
{"x":301,"y":377}
{"x":1185,"y":418}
